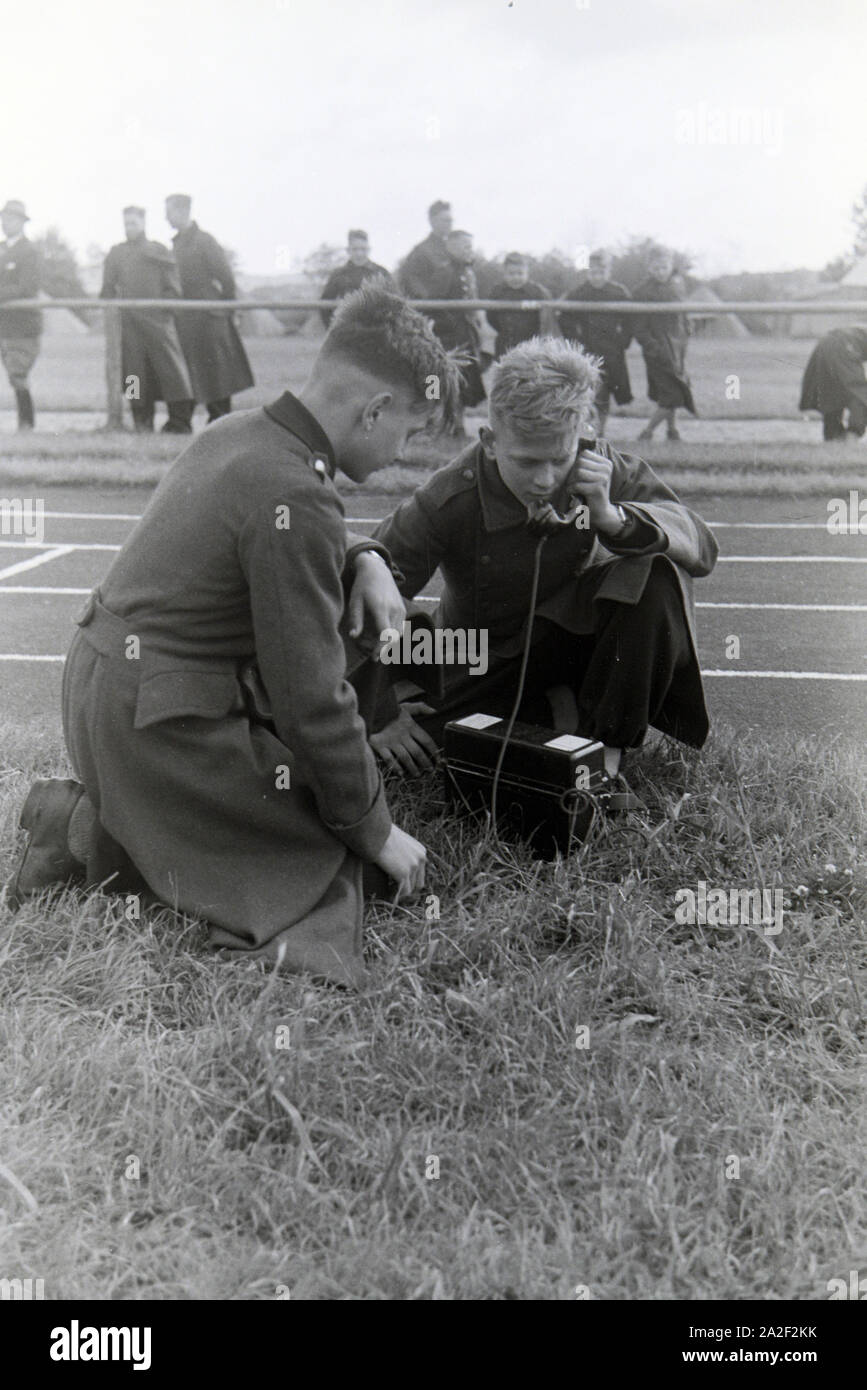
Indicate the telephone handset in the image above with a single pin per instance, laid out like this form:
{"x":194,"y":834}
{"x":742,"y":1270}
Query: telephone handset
{"x":545,"y":520}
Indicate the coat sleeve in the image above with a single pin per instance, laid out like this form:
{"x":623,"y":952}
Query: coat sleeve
{"x":414,"y":542}
{"x":219,"y":270}
{"x":330,"y":292}
{"x":109,"y":278}
{"x":296,"y":599}
{"x":682,"y":535}
{"x":23,"y":283}
{"x":414,"y":275}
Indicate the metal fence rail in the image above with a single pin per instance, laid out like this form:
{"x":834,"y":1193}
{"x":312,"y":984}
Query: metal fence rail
{"x":112,"y":309}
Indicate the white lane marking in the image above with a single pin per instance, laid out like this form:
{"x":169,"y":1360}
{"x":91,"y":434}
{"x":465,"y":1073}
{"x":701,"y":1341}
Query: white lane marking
{"x":790,"y":675}
{"x":94,"y":516}
{"x":778,"y":526}
{"x":37,"y":560}
{"x":792,"y":559}
{"x":38,"y":589}
{"x":45,"y":545}
{"x":741,"y":675}
{"x":794,"y":607}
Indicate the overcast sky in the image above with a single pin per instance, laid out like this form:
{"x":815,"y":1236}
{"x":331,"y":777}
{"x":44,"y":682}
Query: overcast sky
{"x":545,"y":122}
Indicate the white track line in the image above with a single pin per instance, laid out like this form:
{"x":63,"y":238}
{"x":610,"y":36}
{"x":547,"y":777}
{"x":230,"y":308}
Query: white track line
{"x":37,"y":560}
{"x":39,"y":589}
{"x":44,"y":545}
{"x":375,"y":520}
{"x":740,"y":675}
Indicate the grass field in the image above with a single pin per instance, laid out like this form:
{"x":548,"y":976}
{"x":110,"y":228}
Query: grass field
{"x":70,"y":373}
{"x":706,"y":1142}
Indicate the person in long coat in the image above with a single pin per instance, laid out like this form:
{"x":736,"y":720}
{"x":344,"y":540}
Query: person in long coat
{"x":153,"y":363}
{"x":220,"y":754}
{"x":20,"y":329}
{"x":426,"y":273}
{"x":613,"y":637}
{"x":834,"y":382}
{"x":351,"y":276}
{"x":663,"y":339}
{"x":216,"y":357}
{"x":606,"y":336}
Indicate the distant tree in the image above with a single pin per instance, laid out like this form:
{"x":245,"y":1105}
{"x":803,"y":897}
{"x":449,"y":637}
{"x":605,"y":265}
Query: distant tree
{"x":836,"y":269}
{"x":859,"y":218}
{"x":61,"y":277}
{"x":318,"y":265}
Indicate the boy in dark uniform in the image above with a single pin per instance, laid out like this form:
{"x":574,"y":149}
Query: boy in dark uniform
{"x":613,"y":645}
{"x":350,"y":277}
{"x":153,"y":363}
{"x":515,"y":326}
{"x":458,"y":329}
{"x":20,"y":329}
{"x":663,"y":339}
{"x":427,"y":270}
{"x":834,"y":382}
{"x":603,"y":335}
{"x":223,"y":763}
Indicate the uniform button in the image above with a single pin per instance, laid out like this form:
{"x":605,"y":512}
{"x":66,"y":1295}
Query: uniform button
{"x":468,"y":474}
{"x":484,"y":559}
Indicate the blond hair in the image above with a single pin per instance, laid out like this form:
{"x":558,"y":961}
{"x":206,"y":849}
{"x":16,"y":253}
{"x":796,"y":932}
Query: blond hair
{"x":544,"y":385}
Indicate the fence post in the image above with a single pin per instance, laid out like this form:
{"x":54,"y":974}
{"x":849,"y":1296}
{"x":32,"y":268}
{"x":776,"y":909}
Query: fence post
{"x":113,"y":370}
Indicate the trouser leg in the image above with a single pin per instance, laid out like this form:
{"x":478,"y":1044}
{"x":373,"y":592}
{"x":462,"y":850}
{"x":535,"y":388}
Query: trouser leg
{"x":180,"y":419}
{"x":143,"y":416}
{"x":218,"y":408}
{"x":832,"y":425}
{"x":24,"y":402}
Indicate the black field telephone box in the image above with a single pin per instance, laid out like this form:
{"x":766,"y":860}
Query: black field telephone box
{"x":547,"y":784}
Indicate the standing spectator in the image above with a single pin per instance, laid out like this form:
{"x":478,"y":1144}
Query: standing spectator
{"x":462,"y":329}
{"x":604,"y":335}
{"x":663,"y":340}
{"x":515,"y":326}
{"x":152,"y":361}
{"x":211,"y":343}
{"x":351,"y":276}
{"x":427,"y":271}
{"x":834,"y":382}
{"x":20,"y":329}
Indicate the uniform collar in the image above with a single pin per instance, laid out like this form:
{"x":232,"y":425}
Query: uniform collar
{"x":289,"y":412}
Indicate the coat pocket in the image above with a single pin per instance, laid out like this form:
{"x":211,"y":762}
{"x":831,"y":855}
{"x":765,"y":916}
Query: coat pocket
{"x":177,"y":693}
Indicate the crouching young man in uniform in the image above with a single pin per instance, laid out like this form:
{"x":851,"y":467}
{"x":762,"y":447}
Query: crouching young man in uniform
{"x":613,"y":648}
{"x":222,"y":759}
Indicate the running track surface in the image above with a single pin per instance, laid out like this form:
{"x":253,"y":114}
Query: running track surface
{"x":790,"y":591}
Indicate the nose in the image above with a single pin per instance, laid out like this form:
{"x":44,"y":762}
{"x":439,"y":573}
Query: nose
{"x":545,"y":478}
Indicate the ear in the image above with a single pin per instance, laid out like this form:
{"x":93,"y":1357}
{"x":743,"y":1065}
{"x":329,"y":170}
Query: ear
{"x":488,"y":442}
{"x":374,"y":408}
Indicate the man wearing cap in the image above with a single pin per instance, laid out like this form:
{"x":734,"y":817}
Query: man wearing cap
{"x":350,"y":276}
{"x":153,"y":362}
{"x":20,"y":329}
{"x":212,"y":345}
{"x":427,"y":271}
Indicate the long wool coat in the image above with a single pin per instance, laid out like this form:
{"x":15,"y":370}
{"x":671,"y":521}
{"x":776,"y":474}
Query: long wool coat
{"x":465,"y":522}
{"x":150,"y":348}
{"x":249,"y":796}
{"x":834,"y":375}
{"x":215,"y":355}
{"x":663,"y":339}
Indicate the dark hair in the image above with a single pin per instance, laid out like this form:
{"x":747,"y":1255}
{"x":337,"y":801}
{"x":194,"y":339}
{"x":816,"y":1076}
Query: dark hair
{"x":132,"y":208}
{"x":438,"y":206}
{"x":356,"y":234}
{"x":182,"y":199}
{"x":515,"y":258}
{"x":381,"y":333}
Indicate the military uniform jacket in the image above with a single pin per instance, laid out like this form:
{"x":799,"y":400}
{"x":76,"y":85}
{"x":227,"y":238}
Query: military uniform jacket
{"x":427,"y":271}
{"x":216,"y":358}
{"x":150,"y":347}
{"x":228,"y":757}
{"x":604,"y":335}
{"x":514,"y":325}
{"x":19,"y":279}
{"x":465,"y":522}
{"x":347,"y":278}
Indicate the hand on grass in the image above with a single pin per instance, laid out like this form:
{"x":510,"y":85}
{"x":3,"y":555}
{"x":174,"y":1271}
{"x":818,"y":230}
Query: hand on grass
{"x":403,"y":745}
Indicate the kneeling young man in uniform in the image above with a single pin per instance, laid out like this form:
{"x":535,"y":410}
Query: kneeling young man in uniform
{"x":222,"y":759}
{"x":613,"y":647}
